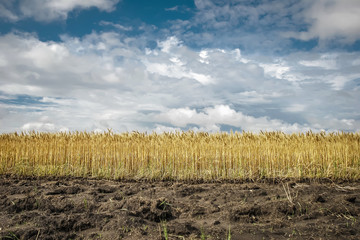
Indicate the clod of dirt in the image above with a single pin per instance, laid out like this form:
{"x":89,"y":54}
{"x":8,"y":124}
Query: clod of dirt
{"x":197,"y":211}
{"x":351,"y":199}
{"x":25,"y":233}
{"x":153,"y":210}
{"x":263,"y":193}
{"x":320,"y":199}
{"x":65,"y":225}
{"x":82,"y":225}
{"x":22,"y":204}
{"x":187,"y":191}
{"x":252,"y":187}
{"x":119,"y":196}
{"x":183,"y":229}
{"x":106,"y":189}
{"x":247,"y":213}
{"x":287,"y":209}
{"x":216,"y":223}
{"x":65,"y":190}
{"x":59,"y":206}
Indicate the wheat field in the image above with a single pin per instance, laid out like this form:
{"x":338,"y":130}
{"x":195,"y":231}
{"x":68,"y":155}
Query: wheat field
{"x":182,"y":155}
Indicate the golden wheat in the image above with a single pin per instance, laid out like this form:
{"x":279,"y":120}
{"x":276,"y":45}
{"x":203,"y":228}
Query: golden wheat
{"x":182,"y":155}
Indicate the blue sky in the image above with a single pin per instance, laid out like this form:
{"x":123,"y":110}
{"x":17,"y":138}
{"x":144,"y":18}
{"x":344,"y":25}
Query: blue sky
{"x":204,"y":65}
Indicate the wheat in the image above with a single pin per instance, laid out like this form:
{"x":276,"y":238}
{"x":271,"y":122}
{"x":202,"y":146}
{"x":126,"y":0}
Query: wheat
{"x":182,"y":155}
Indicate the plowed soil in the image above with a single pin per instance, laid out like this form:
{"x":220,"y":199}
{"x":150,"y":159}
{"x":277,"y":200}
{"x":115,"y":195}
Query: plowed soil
{"x":100,"y":209}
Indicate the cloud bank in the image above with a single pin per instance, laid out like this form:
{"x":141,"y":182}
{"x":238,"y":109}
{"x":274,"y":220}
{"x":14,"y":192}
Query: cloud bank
{"x":334,"y":19}
{"x":241,"y":65}
{"x":105,"y":80}
{"x":49,"y":10}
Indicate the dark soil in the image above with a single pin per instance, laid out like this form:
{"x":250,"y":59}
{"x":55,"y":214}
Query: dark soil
{"x":99,"y":209}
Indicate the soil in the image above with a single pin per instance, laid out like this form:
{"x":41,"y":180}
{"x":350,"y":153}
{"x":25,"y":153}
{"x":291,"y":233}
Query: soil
{"x":70,"y":208}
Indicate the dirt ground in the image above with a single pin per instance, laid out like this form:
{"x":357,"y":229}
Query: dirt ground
{"x":100,"y":209}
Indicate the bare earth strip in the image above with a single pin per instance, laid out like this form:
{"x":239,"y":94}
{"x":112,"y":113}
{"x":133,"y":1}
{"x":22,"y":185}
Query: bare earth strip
{"x":76,"y":208}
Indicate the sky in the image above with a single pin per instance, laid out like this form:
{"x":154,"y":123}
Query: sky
{"x":172,"y":65}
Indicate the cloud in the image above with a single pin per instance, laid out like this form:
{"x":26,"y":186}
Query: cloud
{"x":109,"y":80}
{"x":211,"y":118}
{"x":252,"y":24}
{"x":115,"y":25}
{"x":268,"y":27}
{"x":169,"y":43}
{"x":5,"y":11}
{"x":171,"y":64}
{"x":295,"y":108}
{"x":50,"y":10}
{"x":176,"y":8}
{"x":334,"y":19}
{"x":176,"y":71}
{"x":326,"y":61}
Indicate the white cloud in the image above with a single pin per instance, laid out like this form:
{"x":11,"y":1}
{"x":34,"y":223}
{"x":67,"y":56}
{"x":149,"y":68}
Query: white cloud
{"x":38,"y":126}
{"x":169,"y":43}
{"x":277,"y":70}
{"x":295,"y":108}
{"x":203,"y":54}
{"x":15,"y":88}
{"x":254,"y":97}
{"x":44,"y":124}
{"x":176,"y":71}
{"x":212,"y":117}
{"x":173,"y":62}
{"x":49,"y":10}
{"x":331,"y":19}
{"x":333,"y":124}
{"x":326,"y":61}
{"x":47,"y":55}
{"x":203,"y":57}
{"x":43,"y":127}
{"x":116,"y":25}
